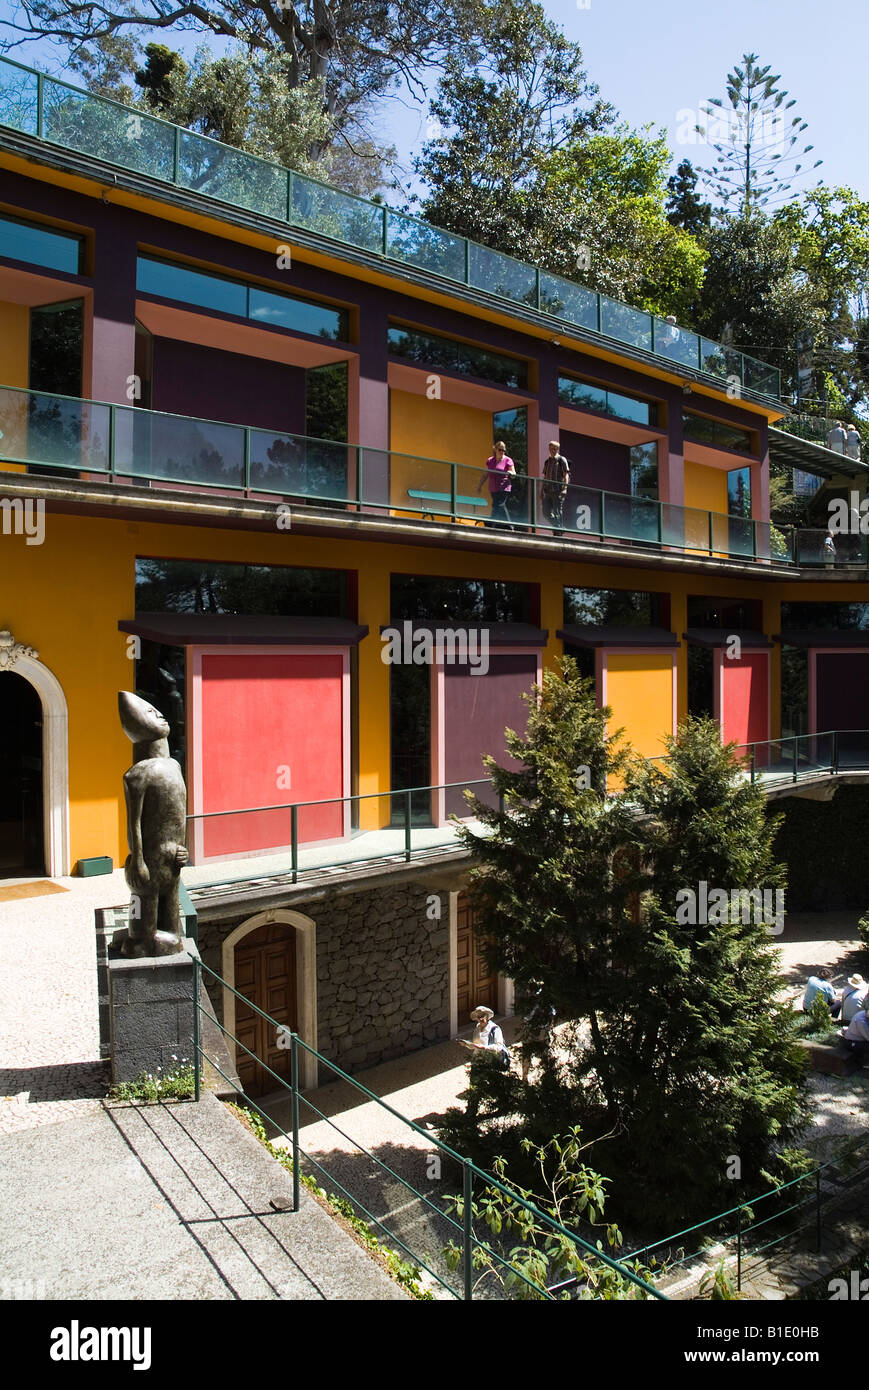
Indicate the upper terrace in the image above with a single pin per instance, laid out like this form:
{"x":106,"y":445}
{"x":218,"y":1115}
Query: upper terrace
{"x":188,"y":460}
{"x":55,"y":114}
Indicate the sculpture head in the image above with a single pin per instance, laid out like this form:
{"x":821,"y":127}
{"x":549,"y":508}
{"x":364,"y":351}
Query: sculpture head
{"x":141,"y":722}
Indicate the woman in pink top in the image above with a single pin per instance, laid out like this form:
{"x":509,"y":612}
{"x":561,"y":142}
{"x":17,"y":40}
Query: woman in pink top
{"x":501,"y":470}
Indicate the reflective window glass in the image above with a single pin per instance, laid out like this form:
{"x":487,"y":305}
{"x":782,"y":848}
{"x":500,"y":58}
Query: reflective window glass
{"x":21,"y":241}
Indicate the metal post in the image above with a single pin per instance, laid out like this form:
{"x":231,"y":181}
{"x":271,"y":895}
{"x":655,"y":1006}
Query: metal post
{"x":834,"y":757}
{"x":294,"y":841}
{"x":359,"y":476}
{"x":739,"y":1249}
{"x":796,"y":757}
{"x":246,"y":465}
{"x":294,"y":1064}
{"x":385,"y":233}
{"x":290,"y":196}
{"x":112,"y":438}
{"x":753,"y":761}
{"x":711,"y":516}
{"x":407,"y":798}
{"x":453,"y":506}
{"x":40,"y":106}
{"x":602,"y":517}
{"x":467,"y":261}
{"x":468,"y":1236}
{"x":537,"y":287}
{"x":176,"y":155}
{"x":197,"y":1046}
{"x":818,"y":1207}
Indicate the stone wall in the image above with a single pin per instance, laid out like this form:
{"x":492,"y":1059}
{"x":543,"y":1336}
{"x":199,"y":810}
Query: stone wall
{"x":382,"y":970}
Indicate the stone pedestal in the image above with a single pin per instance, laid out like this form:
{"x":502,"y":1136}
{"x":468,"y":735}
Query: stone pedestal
{"x":150,"y":1009}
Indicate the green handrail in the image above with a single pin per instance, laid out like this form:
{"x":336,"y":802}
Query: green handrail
{"x":468,"y":1167}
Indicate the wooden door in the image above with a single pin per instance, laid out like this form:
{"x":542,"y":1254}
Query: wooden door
{"x":475,"y":984}
{"x":265,"y":973}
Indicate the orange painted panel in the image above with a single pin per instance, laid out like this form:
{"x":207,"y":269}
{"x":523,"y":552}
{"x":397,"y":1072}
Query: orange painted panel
{"x":639,"y":689}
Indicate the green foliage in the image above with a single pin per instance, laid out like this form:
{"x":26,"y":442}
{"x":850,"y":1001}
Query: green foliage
{"x":527,"y":160}
{"x":755,"y":139}
{"x":719,"y":1283}
{"x":177,"y":1084}
{"x":819,"y":1016}
{"x":544,"y":1256}
{"x":863,"y":928}
{"x":684,"y":207}
{"x":673,"y":1051}
{"x":403,"y":1271}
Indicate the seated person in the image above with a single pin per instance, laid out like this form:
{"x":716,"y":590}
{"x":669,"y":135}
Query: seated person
{"x":820,"y":984}
{"x":853,"y":997}
{"x":856,"y":1037}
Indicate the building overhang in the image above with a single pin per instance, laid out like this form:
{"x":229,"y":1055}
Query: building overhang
{"x":605,"y":636}
{"x":824,"y":637}
{"x":721,"y":636}
{"x":499,"y":634}
{"x":233,"y":629}
{"x":793,"y":452}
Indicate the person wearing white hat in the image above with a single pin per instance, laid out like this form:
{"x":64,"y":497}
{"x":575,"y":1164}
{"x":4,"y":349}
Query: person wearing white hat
{"x":488,"y":1035}
{"x":853,"y":997}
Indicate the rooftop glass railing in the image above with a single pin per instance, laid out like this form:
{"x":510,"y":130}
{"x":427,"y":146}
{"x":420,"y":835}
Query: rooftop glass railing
{"x":64,"y":436}
{"x":52,"y":110}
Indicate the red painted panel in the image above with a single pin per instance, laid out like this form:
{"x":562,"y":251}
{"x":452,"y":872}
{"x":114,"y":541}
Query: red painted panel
{"x":745,"y":716}
{"x":261,"y":713}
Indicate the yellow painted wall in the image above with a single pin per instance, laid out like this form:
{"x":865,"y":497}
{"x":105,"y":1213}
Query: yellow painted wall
{"x":639,"y":690}
{"x":436,"y":430}
{"x":14,"y":343}
{"x":14,"y":358}
{"x":705,"y":487}
{"x":65,"y":598}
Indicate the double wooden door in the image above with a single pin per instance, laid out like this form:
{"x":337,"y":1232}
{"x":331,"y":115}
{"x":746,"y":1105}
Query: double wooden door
{"x":476,"y":985}
{"x":265,"y":973}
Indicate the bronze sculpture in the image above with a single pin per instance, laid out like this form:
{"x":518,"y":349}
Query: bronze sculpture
{"x":156,"y":799}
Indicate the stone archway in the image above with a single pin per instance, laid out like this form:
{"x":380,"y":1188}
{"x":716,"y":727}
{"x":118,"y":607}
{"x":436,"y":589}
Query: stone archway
{"x":306,"y":980}
{"x":24,"y":661}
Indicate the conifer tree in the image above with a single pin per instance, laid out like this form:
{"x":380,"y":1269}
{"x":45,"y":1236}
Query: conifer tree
{"x":701,"y":1055}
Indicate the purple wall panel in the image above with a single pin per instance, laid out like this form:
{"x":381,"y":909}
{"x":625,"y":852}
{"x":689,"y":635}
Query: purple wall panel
{"x":477,"y":710}
{"x":843,"y":690}
{"x":119,"y":229}
{"x":598,"y":463}
{"x":215,"y":385}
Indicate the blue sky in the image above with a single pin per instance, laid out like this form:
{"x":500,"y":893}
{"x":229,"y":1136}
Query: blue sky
{"x":656,"y":58}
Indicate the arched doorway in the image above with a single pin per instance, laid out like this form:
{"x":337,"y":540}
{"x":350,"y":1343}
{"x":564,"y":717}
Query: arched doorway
{"x":22,"y":661}
{"x":476,"y":984}
{"x":22,"y":841}
{"x":265,"y":973}
{"x":246,"y":950}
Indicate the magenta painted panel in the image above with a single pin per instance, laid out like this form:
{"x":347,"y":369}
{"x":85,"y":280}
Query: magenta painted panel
{"x":262,"y":714}
{"x":213,"y":385}
{"x":597,"y":463}
{"x":477,"y":710}
{"x":843,"y":690}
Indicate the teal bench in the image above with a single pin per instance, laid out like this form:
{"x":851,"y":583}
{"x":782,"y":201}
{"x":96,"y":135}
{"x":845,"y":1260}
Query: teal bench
{"x":420,"y":496}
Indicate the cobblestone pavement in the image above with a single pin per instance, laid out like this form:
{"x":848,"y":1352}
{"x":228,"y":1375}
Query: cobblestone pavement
{"x":50,"y":1066}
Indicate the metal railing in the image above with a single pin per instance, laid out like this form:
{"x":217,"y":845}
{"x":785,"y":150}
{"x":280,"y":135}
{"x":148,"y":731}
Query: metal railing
{"x":399,"y":836}
{"x":742,"y":1218}
{"x":126,"y":136}
{"x":806,"y":755}
{"x":54,"y":434}
{"x":473,"y":1179}
{"x":290,"y":826}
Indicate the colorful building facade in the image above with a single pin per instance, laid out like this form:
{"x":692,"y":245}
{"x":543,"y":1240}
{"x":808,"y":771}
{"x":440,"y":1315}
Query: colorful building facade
{"x":244,"y":428}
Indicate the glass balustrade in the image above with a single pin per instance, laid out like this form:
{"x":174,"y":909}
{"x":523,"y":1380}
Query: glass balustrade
{"x":42,"y":432}
{"x":130,"y":138}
